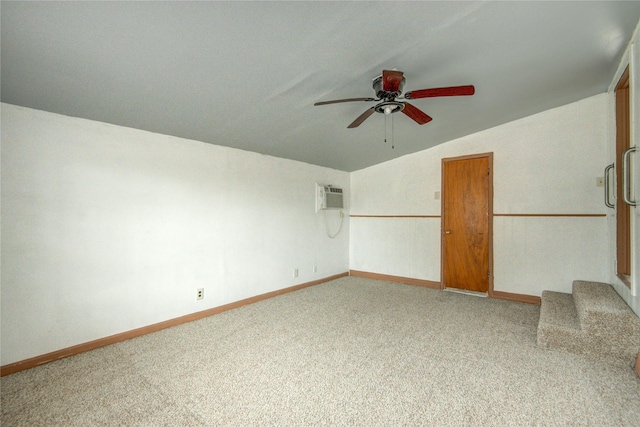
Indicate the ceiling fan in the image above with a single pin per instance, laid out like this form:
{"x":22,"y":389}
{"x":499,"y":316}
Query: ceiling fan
{"x":388,"y":88}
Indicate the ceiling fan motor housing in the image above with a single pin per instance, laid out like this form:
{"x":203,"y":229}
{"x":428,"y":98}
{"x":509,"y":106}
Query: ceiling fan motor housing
{"x":383,"y":94}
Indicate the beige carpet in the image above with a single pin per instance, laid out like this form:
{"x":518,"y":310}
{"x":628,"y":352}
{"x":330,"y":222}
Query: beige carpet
{"x":348,"y":352}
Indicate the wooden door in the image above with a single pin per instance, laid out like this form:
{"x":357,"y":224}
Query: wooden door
{"x":466,"y":224}
{"x":623,"y":210}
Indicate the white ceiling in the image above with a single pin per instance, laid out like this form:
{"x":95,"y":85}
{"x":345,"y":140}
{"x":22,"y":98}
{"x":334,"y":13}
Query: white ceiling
{"x":246,"y":74}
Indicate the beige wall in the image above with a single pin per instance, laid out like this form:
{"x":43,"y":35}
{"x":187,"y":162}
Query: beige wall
{"x":106,"y":229}
{"x":543,"y":164}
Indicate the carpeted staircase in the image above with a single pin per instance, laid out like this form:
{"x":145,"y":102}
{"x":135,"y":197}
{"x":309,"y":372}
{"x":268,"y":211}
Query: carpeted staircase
{"x":592,"y":320}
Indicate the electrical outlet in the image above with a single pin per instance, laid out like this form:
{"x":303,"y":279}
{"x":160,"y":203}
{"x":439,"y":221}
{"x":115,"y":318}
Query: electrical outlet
{"x":295,"y":272}
{"x":315,"y":268}
{"x":200,"y":293}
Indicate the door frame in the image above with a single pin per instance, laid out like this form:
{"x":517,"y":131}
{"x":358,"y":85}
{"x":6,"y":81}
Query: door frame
{"x":445,"y":160}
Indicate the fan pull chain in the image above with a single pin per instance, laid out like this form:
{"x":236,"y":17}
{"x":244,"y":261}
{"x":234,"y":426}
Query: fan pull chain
{"x":386,"y":132}
{"x":385,"y":129}
{"x":393,"y":141}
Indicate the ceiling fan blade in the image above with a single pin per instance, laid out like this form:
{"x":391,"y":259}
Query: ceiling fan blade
{"x":441,"y":91}
{"x":364,"y":116}
{"x":335,"y":101}
{"x":416,"y":114}
{"x":391,"y":80}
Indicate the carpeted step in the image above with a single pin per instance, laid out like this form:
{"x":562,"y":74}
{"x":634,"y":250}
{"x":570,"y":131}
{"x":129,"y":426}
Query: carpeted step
{"x":592,"y":320}
{"x":559,"y":325}
{"x":611,"y":327}
{"x":599,"y":307}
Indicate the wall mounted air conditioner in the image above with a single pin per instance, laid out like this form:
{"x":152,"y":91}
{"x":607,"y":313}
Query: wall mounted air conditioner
{"x":328,"y":197}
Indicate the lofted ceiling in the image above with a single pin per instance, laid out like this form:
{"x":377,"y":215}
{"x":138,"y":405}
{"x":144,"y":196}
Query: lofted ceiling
{"x":246,"y":74}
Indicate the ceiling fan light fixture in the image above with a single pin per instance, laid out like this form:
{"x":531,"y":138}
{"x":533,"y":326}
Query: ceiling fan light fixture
{"x":389,"y":107}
